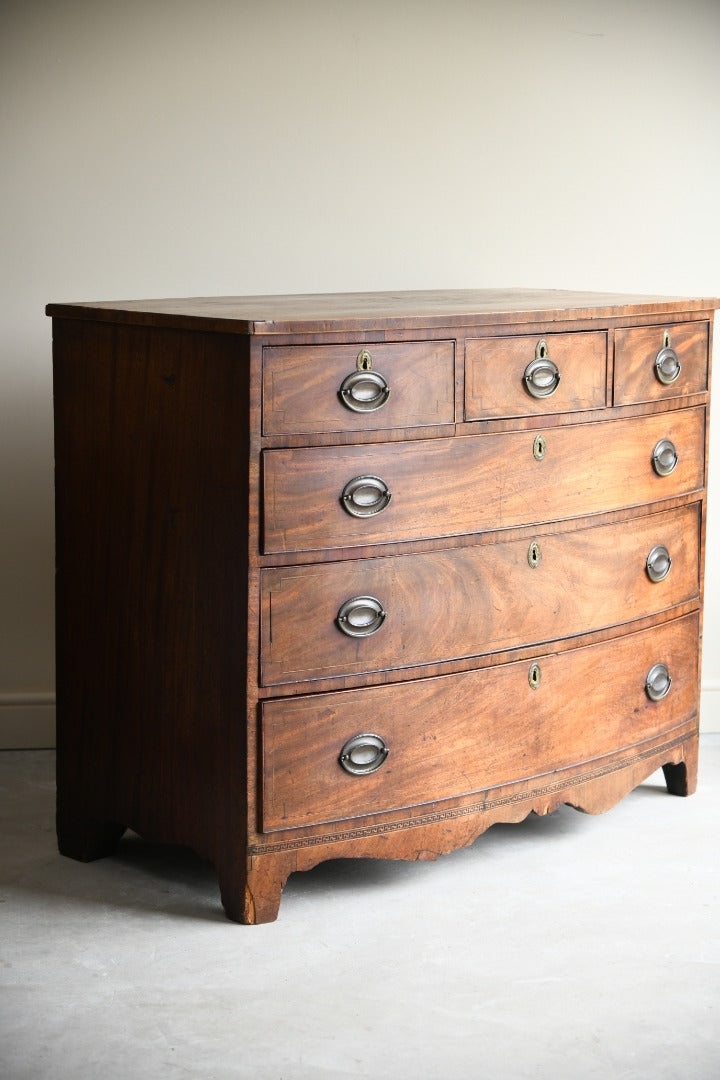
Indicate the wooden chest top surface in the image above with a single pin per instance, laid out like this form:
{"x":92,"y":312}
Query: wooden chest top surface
{"x":341,"y":312}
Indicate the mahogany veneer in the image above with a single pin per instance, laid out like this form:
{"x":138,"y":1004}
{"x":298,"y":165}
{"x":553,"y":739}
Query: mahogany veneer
{"x":361,"y":575}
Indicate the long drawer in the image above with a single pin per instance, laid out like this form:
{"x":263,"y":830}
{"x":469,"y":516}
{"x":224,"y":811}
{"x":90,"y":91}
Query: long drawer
{"x":454,"y":735}
{"x":373,"y":614}
{"x":346,"y":496}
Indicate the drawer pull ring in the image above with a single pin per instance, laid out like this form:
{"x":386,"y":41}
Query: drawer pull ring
{"x":664,"y":457}
{"x":542,"y":376}
{"x":667,"y":362}
{"x":364,"y":496}
{"x":658,"y":563}
{"x":534,"y":676}
{"x":658,"y":682}
{"x":363,"y":754}
{"x":361,"y":616}
{"x":364,"y":391}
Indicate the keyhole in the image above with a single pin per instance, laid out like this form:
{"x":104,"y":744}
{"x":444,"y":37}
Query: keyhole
{"x":534,"y":676}
{"x":364,"y":361}
{"x":534,"y":554}
{"x":539,"y":447}
{"x":666,"y":339}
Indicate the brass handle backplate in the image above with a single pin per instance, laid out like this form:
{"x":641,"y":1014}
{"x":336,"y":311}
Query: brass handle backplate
{"x":361,"y":616}
{"x":541,"y":376}
{"x":363,"y":754}
{"x":667,"y":366}
{"x":658,"y":563}
{"x":364,"y":390}
{"x":664,"y":457}
{"x":658,"y":682}
{"x":667,"y":362}
{"x":364,"y":496}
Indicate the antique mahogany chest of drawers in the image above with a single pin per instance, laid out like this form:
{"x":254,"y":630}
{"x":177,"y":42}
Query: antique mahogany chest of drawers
{"x":361,"y":575}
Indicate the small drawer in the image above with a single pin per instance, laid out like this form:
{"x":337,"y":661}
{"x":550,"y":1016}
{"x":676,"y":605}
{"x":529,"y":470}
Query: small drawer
{"x":328,"y":757}
{"x":653,"y":362}
{"x":319,"y":498}
{"x":322,"y":388}
{"x":526,"y":376}
{"x":365,"y":615}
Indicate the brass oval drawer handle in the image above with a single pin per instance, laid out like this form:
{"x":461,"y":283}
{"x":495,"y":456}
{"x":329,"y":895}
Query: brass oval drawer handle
{"x":658,"y":682}
{"x":364,"y":496}
{"x":361,"y":616}
{"x":364,"y":391}
{"x":363,"y":754}
{"x":664,"y":457}
{"x":667,"y":365}
{"x":542,"y":376}
{"x":658,"y":563}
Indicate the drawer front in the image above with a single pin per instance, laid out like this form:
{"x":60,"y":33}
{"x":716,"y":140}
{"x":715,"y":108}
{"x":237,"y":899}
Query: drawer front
{"x":459,"y":734}
{"x":317,"y":388}
{"x":468,"y":601}
{"x":524,"y":376}
{"x":637,"y":377}
{"x":474,"y":483}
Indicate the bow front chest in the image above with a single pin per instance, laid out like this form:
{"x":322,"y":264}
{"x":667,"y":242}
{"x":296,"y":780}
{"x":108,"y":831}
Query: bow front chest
{"x":361,"y":575}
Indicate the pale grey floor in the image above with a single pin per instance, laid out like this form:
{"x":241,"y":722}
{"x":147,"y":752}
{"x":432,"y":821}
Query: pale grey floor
{"x":566,"y":947}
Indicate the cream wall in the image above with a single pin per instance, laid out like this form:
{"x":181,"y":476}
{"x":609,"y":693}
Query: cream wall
{"x":177,"y":148}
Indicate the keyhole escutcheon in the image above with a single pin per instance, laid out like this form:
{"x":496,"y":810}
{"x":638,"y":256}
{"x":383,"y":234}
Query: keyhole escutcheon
{"x":534,"y":676}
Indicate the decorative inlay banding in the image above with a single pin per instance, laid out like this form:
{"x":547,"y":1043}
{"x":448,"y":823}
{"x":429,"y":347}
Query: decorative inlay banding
{"x":465,"y":811}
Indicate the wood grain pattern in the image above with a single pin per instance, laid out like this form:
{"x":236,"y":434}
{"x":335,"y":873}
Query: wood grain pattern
{"x":448,"y":604}
{"x":636,"y":349}
{"x":463,"y":485}
{"x":595,"y":790}
{"x":169,"y":491}
{"x":301,"y":384}
{"x":607,"y":776}
{"x":494,"y":369}
{"x":470,"y":732}
{"x":151,"y":527}
{"x":353,"y":312}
